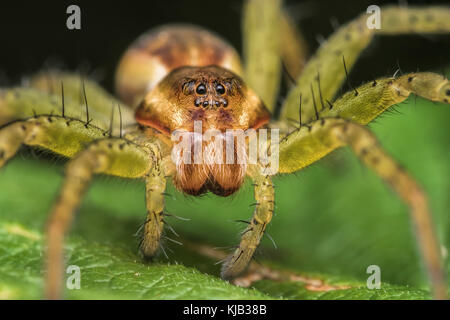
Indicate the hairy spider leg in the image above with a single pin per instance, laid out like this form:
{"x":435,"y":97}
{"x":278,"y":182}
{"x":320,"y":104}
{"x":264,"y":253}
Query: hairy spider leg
{"x":312,"y":141}
{"x":114,"y":156}
{"x":306,"y":145}
{"x":326,"y":134}
{"x":93,"y":151}
{"x":261,"y":48}
{"x":237,"y":262}
{"x":155,"y":185}
{"x":348,"y":42}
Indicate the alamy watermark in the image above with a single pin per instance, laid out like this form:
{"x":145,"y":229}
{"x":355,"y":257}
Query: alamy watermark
{"x":234,"y":146}
{"x":374,"y":20}
{"x":374,"y":280}
{"x":73,"y":21}
{"x":74,"y":280}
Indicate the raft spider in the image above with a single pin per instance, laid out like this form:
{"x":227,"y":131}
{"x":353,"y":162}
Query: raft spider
{"x":178,"y":74}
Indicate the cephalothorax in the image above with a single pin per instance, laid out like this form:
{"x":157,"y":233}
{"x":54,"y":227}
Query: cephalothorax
{"x":176,"y":76}
{"x":214,"y":97}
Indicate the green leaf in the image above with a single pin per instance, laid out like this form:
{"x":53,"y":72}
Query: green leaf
{"x":332,"y":221}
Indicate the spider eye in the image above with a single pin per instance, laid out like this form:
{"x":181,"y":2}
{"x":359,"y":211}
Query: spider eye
{"x":220,"y":89}
{"x":201,"y":89}
{"x":187,"y":87}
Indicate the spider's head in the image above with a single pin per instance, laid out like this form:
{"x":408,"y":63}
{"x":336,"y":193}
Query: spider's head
{"x":214,"y":95}
{"x":220,"y":100}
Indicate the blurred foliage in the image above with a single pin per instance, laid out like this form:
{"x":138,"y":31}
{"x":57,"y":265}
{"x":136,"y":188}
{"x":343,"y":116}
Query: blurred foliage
{"x":332,"y":221}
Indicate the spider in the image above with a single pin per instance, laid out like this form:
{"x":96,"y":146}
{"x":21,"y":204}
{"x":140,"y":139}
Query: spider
{"x":176,"y":75}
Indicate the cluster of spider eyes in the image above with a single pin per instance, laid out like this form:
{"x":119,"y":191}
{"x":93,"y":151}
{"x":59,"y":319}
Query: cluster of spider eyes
{"x":201,"y":89}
